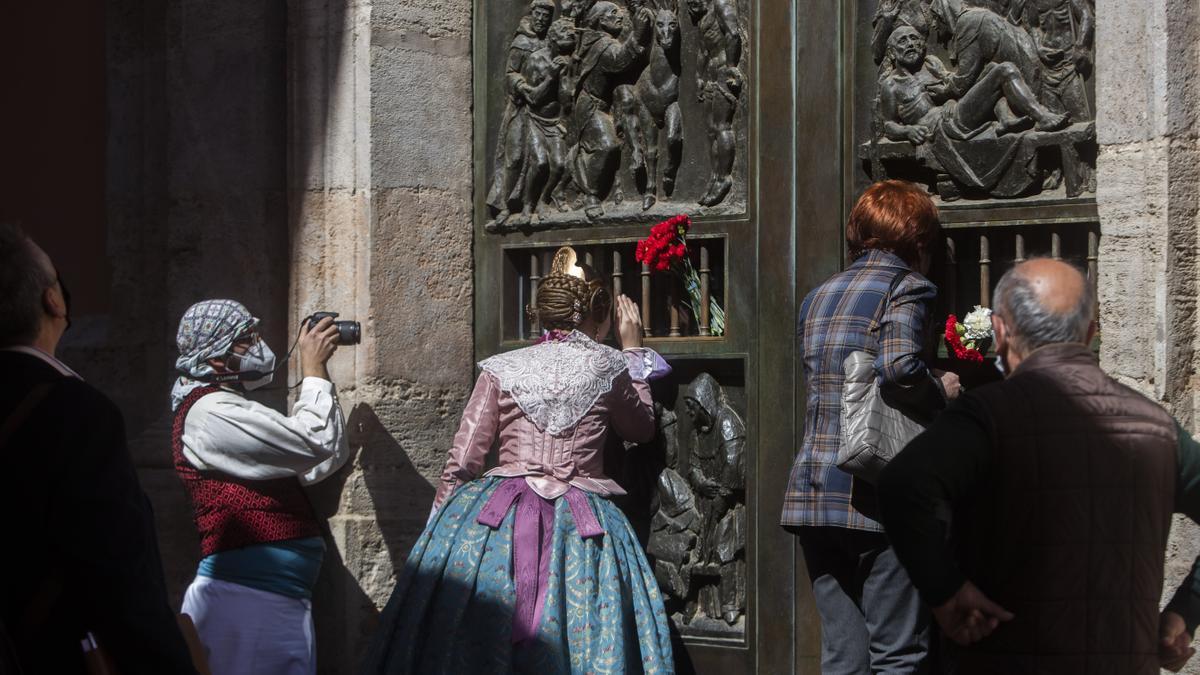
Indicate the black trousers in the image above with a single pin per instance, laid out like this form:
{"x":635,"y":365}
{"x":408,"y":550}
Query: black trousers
{"x":872,"y":620}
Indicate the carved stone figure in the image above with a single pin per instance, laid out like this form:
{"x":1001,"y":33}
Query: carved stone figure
{"x":890,"y":15}
{"x":977,"y":37}
{"x":602,"y":57}
{"x":989,"y":124}
{"x":579,"y":131}
{"x":675,"y":526}
{"x":916,"y":105}
{"x":654,"y":112}
{"x":577,"y":9}
{"x":1062,"y":31}
{"x":509,"y":166}
{"x":545,"y":148}
{"x":719,"y":83}
{"x":697,"y":535}
{"x":717,"y":473}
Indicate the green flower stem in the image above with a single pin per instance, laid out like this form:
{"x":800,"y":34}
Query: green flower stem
{"x":691,"y":284}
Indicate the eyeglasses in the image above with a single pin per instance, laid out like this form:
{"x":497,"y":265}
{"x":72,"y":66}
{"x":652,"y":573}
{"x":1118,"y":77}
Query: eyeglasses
{"x":247,"y":338}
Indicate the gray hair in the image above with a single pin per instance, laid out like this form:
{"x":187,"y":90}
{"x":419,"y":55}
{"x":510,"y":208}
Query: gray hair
{"x":23,"y":279}
{"x":1032,"y":325}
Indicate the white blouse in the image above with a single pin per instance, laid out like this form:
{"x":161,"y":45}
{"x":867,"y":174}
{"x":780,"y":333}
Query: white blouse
{"x":224,"y":431}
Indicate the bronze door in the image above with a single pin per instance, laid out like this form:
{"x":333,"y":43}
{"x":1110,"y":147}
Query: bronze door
{"x":594,"y":121}
{"x":761,"y":120}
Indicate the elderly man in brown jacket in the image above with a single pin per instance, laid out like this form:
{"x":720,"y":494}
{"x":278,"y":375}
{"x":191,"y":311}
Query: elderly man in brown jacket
{"x":1061,"y":483}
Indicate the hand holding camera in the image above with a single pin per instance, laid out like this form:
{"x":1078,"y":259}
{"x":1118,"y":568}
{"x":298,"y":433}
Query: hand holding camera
{"x":320,"y":336}
{"x":318,"y":342}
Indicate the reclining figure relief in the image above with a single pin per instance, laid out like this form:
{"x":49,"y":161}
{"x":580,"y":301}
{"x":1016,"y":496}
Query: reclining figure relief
{"x":1004,"y":119}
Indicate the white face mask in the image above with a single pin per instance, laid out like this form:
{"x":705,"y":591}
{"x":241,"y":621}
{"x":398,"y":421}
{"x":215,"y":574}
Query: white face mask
{"x":259,"y":358}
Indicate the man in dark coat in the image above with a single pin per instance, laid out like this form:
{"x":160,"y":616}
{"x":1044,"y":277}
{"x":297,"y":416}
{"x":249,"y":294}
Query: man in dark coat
{"x":1061,"y":483}
{"x":81,"y":557}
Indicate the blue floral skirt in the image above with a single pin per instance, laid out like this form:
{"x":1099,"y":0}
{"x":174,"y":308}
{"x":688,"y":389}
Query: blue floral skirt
{"x":452,"y":609}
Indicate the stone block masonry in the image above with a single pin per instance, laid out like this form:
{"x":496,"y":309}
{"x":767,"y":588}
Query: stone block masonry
{"x":1147,"y":93}
{"x":380,"y":221}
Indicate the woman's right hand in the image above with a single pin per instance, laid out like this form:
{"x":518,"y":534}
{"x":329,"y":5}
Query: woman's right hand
{"x":629,"y":323}
{"x":950,"y":383}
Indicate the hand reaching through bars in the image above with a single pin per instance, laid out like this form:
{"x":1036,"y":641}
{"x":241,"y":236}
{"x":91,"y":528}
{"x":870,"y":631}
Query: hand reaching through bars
{"x":629,"y":323}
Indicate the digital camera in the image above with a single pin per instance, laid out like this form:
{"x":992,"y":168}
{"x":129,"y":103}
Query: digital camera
{"x":349,"y":332}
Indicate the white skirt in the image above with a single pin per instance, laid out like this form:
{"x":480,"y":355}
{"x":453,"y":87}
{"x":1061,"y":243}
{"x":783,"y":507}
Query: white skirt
{"x":246,"y":631}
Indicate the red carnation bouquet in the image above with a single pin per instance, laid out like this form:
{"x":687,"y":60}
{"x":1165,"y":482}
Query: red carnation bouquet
{"x":968,"y":340}
{"x":666,"y":250}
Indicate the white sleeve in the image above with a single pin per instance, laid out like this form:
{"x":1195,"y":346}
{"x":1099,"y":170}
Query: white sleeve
{"x":228,"y":433}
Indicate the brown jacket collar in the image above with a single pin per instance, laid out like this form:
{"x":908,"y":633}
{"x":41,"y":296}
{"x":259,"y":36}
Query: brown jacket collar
{"x":1061,"y":353}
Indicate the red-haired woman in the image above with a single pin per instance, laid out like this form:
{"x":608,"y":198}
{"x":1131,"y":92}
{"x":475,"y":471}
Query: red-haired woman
{"x":872,"y":619}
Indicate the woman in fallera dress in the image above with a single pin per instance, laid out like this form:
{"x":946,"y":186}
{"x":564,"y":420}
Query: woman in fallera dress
{"x":529,"y":567}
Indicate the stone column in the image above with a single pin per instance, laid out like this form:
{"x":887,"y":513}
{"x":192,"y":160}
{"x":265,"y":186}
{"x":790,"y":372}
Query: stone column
{"x":379,"y":204}
{"x":195,"y":183}
{"x":1147,"y":96}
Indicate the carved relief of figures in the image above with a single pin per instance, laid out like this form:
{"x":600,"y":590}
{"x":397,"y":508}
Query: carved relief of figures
{"x":719,"y":85}
{"x":536,"y":151}
{"x":1062,"y":31}
{"x":1009,"y":114}
{"x":717,"y":473}
{"x":893,"y":14}
{"x":603,"y":57}
{"x":652,"y":112}
{"x":510,"y":167}
{"x":586,"y":125}
{"x":698,"y":531}
{"x":916,"y":104}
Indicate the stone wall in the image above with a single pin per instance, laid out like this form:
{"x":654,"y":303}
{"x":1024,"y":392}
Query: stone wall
{"x":1148,"y":94}
{"x":379,"y":210}
{"x":316,"y":154}
{"x":196,"y":171}
{"x":297,"y":156}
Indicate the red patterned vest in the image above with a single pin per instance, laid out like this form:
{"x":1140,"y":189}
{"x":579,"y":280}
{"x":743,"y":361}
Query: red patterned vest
{"x":232,"y":513}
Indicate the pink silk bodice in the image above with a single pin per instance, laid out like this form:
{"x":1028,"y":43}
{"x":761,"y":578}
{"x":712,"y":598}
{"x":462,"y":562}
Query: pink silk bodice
{"x":551,"y":463}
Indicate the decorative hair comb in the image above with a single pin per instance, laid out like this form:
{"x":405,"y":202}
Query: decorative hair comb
{"x":566,"y":263}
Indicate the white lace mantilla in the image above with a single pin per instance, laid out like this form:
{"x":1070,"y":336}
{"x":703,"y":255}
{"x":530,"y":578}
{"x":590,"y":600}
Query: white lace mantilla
{"x":557,"y":382}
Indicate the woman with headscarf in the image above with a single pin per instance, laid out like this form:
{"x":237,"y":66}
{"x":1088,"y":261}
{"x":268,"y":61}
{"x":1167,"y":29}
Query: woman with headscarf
{"x":243,"y":465}
{"x":529,"y":567}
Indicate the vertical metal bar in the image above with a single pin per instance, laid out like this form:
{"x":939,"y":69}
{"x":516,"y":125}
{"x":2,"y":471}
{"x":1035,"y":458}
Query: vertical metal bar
{"x":673,"y":308}
{"x":646,"y":323}
{"x":1020,"y":246}
{"x":985,"y":271}
{"x":1056,"y":245}
{"x":616,"y":272}
{"x":951,"y":274}
{"x":535,"y":278}
{"x":704,"y":299}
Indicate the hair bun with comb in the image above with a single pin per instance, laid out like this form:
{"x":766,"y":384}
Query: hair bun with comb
{"x":571,"y":293}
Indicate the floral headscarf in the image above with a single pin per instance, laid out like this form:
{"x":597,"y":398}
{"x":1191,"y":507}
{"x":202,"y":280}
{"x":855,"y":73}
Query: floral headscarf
{"x":206,"y":331}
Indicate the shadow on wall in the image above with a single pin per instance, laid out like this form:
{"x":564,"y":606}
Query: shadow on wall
{"x":365,"y":553}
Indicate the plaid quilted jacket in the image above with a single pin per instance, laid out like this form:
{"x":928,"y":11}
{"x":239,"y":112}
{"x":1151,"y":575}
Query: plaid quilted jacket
{"x":837,"y":318}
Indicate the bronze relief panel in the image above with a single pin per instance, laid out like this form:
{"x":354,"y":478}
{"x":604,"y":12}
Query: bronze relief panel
{"x":603,"y":112}
{"x":687,"y":498}
{"x":984,"y":101}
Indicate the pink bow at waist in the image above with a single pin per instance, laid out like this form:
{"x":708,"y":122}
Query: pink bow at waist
{"x":532,"y":534}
